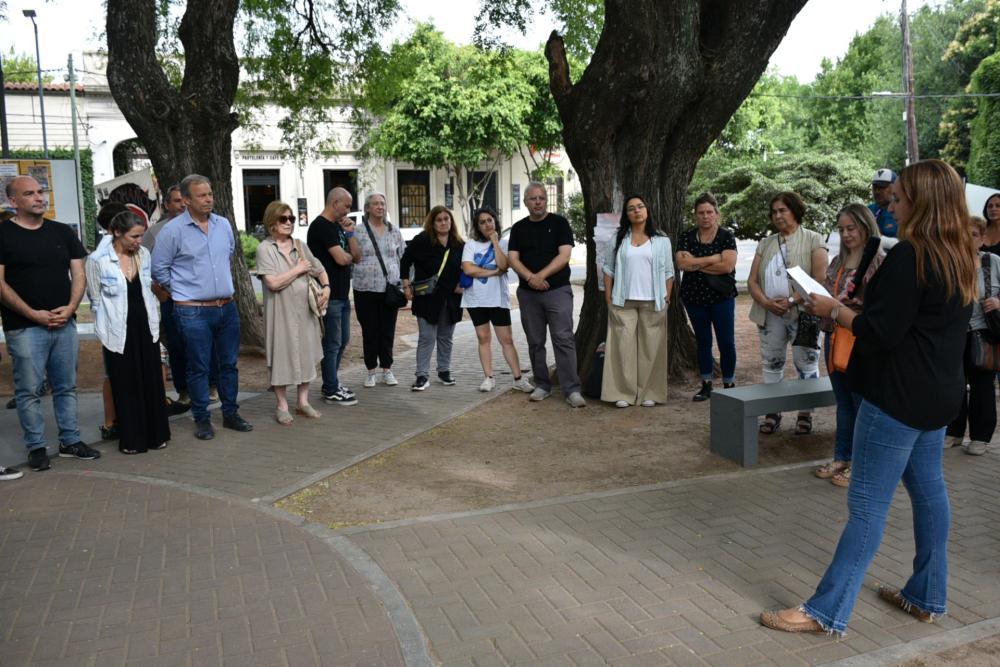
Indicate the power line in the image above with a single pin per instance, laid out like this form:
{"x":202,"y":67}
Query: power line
{"x":885,"y":96}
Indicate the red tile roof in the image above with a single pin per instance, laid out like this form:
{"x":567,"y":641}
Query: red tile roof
{"x":33,"y":87}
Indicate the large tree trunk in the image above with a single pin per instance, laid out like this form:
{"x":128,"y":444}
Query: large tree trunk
{"x":188,"y":130}
{"x":662,"y":83}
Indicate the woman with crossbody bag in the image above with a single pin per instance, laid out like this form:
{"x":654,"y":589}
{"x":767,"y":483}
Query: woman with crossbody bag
{"x":435,"y":255}
{"x":979,"y":408}
{"x":377,"y":299}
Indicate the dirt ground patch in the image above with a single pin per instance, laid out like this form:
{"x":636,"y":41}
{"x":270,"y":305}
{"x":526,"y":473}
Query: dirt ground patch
{"x":512,"y":450}
{"x":982,"y":653}
{"x":252,"y":363}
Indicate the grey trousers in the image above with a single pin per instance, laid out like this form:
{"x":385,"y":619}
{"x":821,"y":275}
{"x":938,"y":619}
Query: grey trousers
{"x":429,"y":335}
{"x":553,"y":309}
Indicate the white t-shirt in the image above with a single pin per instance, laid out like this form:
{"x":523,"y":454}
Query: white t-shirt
{"x":640,"y":271}
{"x":489,"y":292}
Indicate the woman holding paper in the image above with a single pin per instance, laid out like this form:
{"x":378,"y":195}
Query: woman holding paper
{"x":907,"y":365}
{"x":856,"y":226}
{"x":774,"y":311}
{"x":487,"y":295}
{"x":638,"y":279}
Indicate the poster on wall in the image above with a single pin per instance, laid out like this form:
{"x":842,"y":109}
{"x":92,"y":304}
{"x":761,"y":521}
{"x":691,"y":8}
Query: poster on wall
{"x":604,"y":238}
{"x":303,"y":212}
{"x":8,"y":172}
{"x":40,"y":170}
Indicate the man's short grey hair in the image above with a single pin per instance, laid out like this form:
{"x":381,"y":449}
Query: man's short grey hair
{"x":368,"y":199}
{"x":190,"y":180}
{"x":535,"y":185}
{"x":171,"y":190}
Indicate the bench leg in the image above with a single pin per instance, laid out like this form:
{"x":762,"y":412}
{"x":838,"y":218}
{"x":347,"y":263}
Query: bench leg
{"x":733,"y":435}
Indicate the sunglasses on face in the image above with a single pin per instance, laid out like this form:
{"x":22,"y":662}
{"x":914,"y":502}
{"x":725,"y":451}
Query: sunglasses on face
{"x":286,"y":218}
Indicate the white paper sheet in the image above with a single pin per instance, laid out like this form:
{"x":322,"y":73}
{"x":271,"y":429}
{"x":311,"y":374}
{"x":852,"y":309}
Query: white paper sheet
{"x":804,"y":284}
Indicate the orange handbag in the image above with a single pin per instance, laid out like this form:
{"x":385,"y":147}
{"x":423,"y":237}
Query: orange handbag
{"x":840,"y":348}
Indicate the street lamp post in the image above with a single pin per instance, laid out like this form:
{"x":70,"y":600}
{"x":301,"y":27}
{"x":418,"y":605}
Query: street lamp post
{"x":30,"y":13}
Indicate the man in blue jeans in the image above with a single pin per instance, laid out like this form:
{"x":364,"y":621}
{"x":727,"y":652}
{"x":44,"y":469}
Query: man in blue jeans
{"x":331,"y":240}
{"x":191,"y":261}
{"x":39,"y":302}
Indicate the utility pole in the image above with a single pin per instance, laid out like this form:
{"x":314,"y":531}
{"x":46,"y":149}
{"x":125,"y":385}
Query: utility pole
{"x":909,"y":112}
{"x":3,"y":115}
{"x":76,"y":147}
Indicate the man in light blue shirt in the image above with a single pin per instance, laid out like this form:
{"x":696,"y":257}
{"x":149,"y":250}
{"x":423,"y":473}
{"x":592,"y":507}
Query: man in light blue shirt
{"x":191,"y":261}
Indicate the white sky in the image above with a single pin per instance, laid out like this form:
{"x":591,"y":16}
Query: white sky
{"x":824,"y":28}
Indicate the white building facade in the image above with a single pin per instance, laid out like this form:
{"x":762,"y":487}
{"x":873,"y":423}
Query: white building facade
{"x":259,"y":172}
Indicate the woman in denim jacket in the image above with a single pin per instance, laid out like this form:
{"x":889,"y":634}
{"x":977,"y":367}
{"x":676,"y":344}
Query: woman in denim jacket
{"x":638,"y":279}
{"x":127,"y":322}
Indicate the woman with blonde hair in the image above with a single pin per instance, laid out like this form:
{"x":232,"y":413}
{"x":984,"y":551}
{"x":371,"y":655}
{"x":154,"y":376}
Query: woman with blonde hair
{"x":435,"y":254}
{"x":907,"y":365}
{"x":291,"y":330}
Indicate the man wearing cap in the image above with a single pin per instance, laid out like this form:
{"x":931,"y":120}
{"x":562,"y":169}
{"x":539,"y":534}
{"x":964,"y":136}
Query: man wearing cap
{"x":882,"y":182}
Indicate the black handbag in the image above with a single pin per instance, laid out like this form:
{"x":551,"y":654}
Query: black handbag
{"x":993,"y":317}
{"x":394,"y":297}
{"x":427,"y":286}
{"x":724,"y":284}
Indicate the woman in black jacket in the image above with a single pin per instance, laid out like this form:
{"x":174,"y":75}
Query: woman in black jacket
{"x":907,"y":365}
{"x":436,"y":257}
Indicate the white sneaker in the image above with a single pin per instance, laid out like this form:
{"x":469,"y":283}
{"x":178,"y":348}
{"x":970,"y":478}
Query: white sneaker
{"x":575,"y":400}
{"x":370,"y":380}
{"x":487,"y":384}
{"x":648,"y":403}
{"x":976,"y":448}
{"x":621,"y":404}
{"x":388,"y":378}
{"x":952,"y":441}
{"x":539,"y":394}
{"x":522,"y":384}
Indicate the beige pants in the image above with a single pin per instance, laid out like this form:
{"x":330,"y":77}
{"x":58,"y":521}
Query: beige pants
{"x":635,"y":358}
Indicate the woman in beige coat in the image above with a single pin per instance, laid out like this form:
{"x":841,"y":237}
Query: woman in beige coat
{"x":291,"y":331}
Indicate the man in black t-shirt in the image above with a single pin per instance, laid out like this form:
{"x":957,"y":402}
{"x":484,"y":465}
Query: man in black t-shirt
{"x":331,"y":240}
{"x":39,"y":302}
{"x":539,"y":250}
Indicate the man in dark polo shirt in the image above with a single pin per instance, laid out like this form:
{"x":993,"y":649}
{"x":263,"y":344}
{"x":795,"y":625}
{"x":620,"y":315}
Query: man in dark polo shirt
{"x":37,"y":259}
{"x":539,"y":251}
{"x":331,"y":240}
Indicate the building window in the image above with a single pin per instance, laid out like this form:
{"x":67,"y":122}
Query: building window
{"x":554,"y":192}
{"x":414,"y":196}
{"x":260,"y":188}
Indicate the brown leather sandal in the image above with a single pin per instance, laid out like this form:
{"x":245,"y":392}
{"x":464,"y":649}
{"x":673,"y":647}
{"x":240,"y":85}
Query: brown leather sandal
{"x":771,"y":423}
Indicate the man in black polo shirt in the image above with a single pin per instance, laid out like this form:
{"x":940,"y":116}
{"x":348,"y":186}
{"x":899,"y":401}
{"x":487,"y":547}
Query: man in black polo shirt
{"x":539,"y":250}
{"x":331,"y":240}
{"x":37,"y":257}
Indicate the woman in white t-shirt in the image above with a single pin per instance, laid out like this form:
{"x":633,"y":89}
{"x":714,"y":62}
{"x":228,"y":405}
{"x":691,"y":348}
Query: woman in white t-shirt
{"x":487,"y":296}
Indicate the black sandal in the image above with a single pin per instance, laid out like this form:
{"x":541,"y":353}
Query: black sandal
{"x":804,"y":425}
{"x":771,"y":423}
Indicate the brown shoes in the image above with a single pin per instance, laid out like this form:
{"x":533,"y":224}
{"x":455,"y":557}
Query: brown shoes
{"x":892,"y":596}
{"x":771,"y":619}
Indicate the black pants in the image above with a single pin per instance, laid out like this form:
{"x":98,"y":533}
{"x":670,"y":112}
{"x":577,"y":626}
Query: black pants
{"x":979,"y":406}
{"x":378,"y":328}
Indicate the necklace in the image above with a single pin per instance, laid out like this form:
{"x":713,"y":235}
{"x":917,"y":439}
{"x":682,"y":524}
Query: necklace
{"x":128,"y":268}
{"x":703,"y":242}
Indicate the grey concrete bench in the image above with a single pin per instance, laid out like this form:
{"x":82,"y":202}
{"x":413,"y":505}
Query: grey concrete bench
{"x":734,"y":412}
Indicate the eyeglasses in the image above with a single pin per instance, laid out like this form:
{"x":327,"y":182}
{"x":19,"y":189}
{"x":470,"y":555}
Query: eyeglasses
{"x":286,"y":218}
{"x":637,"y":207}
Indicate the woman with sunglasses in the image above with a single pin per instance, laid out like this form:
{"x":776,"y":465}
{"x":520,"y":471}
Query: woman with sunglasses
{"x":291,"y":331}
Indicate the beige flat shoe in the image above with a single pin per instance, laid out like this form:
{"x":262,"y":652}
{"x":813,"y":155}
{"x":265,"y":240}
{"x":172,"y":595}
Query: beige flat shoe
{"x":283,"y":417}
{"x":892,"y":596}
{"x":308,"y":411}
{"x":771,"y":619}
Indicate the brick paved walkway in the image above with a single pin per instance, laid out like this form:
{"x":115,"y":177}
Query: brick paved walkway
{"x":178,"y":558}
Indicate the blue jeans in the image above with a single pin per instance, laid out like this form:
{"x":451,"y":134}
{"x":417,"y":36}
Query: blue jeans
{"x":203,"y":327}
{"x":38,"y":353}
{"x":847,"y":409}
{"x":722,"y":317}
{"x":336,"y":335}
{"x":175,"y":350}
{"x":886,"y":450}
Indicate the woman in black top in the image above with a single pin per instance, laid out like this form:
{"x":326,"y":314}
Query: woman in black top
{"x":991,"y":212}
{"x":435,"y":255}
{"x":707,"y":256}
{"x":907,"y":365}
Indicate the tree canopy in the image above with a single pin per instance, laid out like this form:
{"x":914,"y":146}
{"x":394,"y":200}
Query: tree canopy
{"x":21,"y":68}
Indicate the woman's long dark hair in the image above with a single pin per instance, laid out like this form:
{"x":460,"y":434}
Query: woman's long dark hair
{"x":624,"y":225}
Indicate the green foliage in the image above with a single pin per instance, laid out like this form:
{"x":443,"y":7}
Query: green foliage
{"x":86,"y":181}
{"x":249,"y":245}
{"x":826,"y":181}
{"x":984,"y":156}
{"x":580,"y":22}
{"x":770,"y":119}
{"x":577,"y":217}
{"x":21,"y":68}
